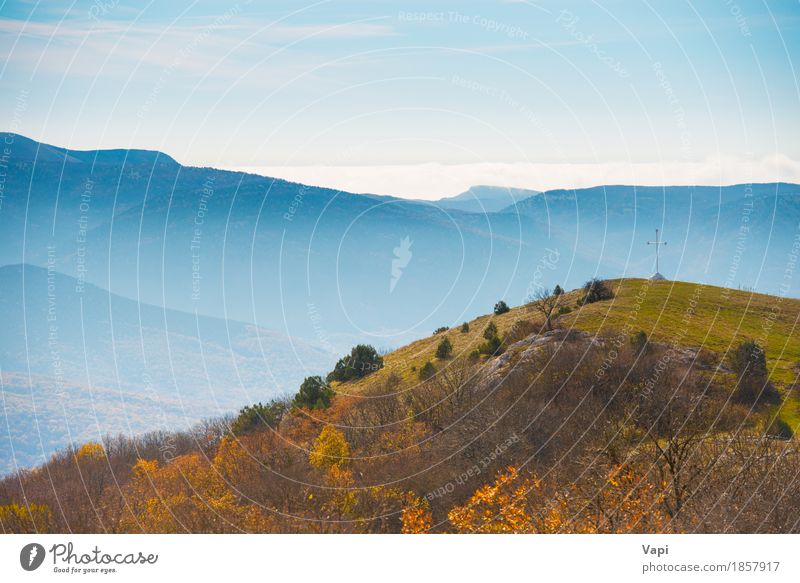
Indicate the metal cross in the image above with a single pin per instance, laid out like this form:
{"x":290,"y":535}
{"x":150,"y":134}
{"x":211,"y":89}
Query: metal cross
{"x":658,"y":242}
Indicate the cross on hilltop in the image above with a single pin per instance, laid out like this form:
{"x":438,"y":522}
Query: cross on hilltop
{"x":658,"y":243}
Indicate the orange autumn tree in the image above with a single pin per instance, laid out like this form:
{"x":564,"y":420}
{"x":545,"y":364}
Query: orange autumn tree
{"x":513,"y":503}
{"x":235,"y":463}
{"x":623,"y":502}
{"x":348,"y":507}
{"x":186,"y":495}
{"x":93,"y":467}
{"x":416,"y":515}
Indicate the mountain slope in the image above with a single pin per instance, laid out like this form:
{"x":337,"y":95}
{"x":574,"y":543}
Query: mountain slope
{"x":575,"y":430}
{"x":79,"y":363}
{"x":719,"y":319}
{"x":691,"y":317}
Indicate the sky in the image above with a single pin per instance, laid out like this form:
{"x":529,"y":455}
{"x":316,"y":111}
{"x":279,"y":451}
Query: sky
{"x":417,"y":99}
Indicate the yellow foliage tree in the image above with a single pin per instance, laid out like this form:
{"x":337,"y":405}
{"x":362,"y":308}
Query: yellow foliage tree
{"x":233,"y":461}
{"x":416,"y":515}
{"x":91,"y":451}
{"x":30,"y":519}
{"x":187,"y":495}
{"x":344,"y":498}
{"x":510,"y":504}
{"x":625,"y":503}
{"x":350,"y":508}
{"x":330,"y":449}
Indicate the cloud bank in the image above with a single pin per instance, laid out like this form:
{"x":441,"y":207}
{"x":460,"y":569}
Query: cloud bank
{"x":434,"y":180}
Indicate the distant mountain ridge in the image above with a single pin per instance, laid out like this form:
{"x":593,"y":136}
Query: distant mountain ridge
{"x":26,"y":149}
{"x":317,"y":263}
{"x":483,"y":199}
{"x":79,"y":363}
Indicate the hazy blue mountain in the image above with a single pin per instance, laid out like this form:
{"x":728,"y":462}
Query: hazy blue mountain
{"x":735,"y":236}
{"x":338,"y":268}
{"x":312,"y":262}
{"x":26,"y":149}
{"x":485,"y":199}
{"x":78,"y":363}
{"x":261,"y":260}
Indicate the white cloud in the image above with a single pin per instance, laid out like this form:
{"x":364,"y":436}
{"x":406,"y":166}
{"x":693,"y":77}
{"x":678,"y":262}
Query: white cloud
{"x":433,"y":180}
{"x":83,"y":45}
{"x":241,"y":26}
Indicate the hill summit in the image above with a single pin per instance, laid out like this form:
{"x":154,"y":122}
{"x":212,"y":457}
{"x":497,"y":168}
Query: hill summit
{"x":23,"y":149}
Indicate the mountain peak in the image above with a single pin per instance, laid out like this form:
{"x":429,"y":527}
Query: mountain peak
{"x":485,"y":198}
{"x":489,"y":192}
{"x":23,"y":149}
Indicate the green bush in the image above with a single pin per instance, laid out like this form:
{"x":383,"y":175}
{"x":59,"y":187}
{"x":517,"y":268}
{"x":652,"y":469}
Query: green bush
{"x":501,"y":308}
{"x":492,"y":347}
{"x":749,"y":360}
{"x":259,"y":415}
{"x":490,"y":331}
{"x":639,"y":341}
{"x":595,"y":290}
{"x":474,"y":356}
{"x":563,"y":310}
{"x":464,"y":328}
{"x":558,"y":290}
{"x":749,"y":363}
{"x":362,"y":360}
{"x":779,"y":429}
{"x":441,"y":329}
{"x":445,"y":348}
{"x":427,"y":371}
{"x":314,"y":393}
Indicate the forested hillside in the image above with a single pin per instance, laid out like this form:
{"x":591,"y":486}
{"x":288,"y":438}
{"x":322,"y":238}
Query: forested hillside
{"x":621,"y":406}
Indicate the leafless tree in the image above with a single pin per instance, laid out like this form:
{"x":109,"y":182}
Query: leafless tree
{"x":546,"y":303}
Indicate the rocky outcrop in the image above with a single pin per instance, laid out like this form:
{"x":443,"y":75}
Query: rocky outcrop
{"x":512,"y":362}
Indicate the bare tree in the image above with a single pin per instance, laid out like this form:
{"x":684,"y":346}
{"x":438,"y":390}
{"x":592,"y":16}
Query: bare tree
{"x":546,"y":302}
{"x":678,"y":423}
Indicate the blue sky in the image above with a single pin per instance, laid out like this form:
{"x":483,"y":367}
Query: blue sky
{"x":418,"y":99}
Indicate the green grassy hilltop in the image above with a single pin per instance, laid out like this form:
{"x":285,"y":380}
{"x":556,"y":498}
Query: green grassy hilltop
{"x":708,"y":317}
{"x":721,"y":318}
{"x":677,"y":313}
